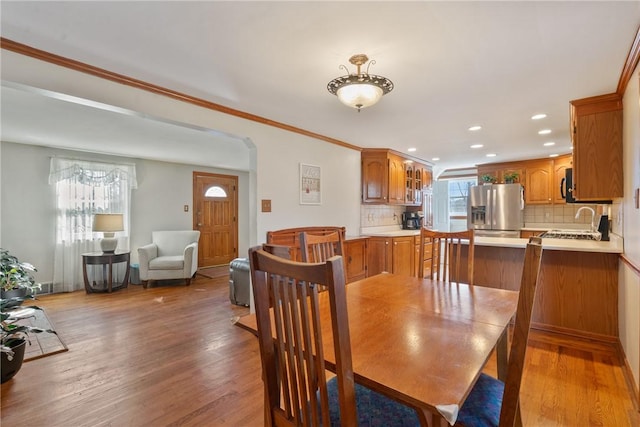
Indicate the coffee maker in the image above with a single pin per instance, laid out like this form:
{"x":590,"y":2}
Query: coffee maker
{"x":411,"y":221}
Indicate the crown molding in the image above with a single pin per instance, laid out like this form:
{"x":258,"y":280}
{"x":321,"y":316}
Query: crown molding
{"x":82,"y":67}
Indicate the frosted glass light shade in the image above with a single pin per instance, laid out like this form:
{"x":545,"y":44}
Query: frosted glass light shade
{"x":359,"y":95}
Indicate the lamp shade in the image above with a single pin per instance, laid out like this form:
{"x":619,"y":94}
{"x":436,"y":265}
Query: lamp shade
{"x":108,"y":223}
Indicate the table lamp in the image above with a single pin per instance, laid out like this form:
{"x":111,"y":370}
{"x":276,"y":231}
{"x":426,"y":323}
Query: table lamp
{"x":108,"y":224}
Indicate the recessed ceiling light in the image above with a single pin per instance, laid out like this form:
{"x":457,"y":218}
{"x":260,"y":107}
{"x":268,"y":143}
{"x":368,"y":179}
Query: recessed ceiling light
{"x":411,"y":150}
{"x":553,"y":155}
{"x":549,"y":144}
{"x":476,"y":127}
{"x":544,"y":132}
{"x":476,"y":146}
{"x":491,"y":155}
{"x":538,"y":116}
{"x":435,"y":159}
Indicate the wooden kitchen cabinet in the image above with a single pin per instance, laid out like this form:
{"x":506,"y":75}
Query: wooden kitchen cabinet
{"x":500,"y":170}
{"x":390,"y":254}
{"x":560,"y":165}
{"x":396,"y":180}
{"x":355,"y":259}
{"x":577,"y":292}
{"x":596,"y":131}
{"x":375,"y":177}
{"x":378,"y":255}
{"x":541,"y":178}
{"x":539,"y":182}
{"x":402,"y":256}
{"x":418,"y":177}
{"x":391,"y":178}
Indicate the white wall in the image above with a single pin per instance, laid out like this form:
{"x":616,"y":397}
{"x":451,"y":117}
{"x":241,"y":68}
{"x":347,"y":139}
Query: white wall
{"x":273,"y":155}
{"x":629,"y":281}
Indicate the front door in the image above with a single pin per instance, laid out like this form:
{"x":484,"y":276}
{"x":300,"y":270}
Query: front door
{"x":215,"y":213}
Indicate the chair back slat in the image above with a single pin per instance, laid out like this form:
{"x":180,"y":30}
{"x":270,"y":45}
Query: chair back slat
{"x":290,"y":337}
{"x":509,"y":411}
{"x":447,"y":255}
{"x":319,"y":248}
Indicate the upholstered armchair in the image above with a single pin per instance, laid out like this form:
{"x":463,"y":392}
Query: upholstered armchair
{"x":171,"y":255}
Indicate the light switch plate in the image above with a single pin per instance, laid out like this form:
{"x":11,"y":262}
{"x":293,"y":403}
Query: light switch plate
{"x":186,"y":208}
{"x":266,"y":205}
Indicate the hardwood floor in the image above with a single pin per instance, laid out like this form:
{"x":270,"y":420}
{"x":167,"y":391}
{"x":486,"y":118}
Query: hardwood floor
{"x":170,"y":356}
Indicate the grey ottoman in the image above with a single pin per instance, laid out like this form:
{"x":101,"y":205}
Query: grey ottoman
{"x":239,"y":282}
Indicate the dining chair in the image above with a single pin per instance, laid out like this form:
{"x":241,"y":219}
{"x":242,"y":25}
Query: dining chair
{"x":492,"y":402}
{"x":319,"y":248}
{"x":444,"y":263}
{"x":297,"y":392}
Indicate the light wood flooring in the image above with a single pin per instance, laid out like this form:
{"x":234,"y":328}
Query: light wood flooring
{"x":170,"y":356}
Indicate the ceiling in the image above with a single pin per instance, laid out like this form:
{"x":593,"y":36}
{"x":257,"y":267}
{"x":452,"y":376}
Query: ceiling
{"x":453,"y":64}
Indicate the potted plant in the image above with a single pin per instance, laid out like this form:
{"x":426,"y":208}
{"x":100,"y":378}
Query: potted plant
{"x":16,"y":278}
{"x":14,"y":337}
{"x":488,"y":179}
{"x":17,"y":285}
{"x":510,"y":177}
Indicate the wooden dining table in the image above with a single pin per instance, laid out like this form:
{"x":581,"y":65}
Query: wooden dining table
{"x":421,"y":342}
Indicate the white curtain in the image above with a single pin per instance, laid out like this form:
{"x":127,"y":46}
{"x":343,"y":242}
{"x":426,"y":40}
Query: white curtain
{"x":84,"y":188}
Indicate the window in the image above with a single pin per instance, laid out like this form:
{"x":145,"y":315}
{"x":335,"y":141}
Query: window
{"x":215,"y":191}
{"x":458,"y":195}
{"x":85,"y":188}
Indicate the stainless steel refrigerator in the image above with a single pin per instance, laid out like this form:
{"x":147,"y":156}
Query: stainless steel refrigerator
{"x":496,"y":209}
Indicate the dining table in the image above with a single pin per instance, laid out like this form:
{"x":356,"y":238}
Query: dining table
{"x":419,"y":341}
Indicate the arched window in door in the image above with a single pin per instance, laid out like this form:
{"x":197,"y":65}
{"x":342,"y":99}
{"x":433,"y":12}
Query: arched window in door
{"x":215,"y":191}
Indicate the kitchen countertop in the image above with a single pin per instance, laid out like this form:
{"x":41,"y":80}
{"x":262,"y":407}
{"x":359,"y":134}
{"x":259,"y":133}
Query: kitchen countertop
{"x":614,"y":245}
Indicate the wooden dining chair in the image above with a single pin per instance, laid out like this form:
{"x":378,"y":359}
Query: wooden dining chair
{"x":319,"y":248}
{"x":445,"y":261}
{"x":297,"y":392}
{"x":492,"y":402}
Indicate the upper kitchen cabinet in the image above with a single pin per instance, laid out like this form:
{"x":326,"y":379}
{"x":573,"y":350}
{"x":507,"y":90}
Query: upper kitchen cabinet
{"x":391,"y":178}
{"x":560,"y":165}
{"x":501,"y":173}
{"x":596,"y":130}
{"x":539,"y":182}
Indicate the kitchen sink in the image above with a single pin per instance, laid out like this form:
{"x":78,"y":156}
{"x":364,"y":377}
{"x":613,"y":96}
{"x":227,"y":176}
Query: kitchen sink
{"x":572,"y":234}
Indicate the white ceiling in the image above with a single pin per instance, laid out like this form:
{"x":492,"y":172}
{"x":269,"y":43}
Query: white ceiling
{"x":454,"y":64}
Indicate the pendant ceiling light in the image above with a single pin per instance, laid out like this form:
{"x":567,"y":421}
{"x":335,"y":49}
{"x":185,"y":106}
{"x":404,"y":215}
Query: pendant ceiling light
{"x":359,"y":90}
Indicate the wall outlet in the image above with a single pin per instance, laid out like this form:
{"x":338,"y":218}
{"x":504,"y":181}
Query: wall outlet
{"x":266,"y":205}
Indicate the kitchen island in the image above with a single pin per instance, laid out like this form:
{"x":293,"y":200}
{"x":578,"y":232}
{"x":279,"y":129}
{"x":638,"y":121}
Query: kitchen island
{"x":578,"y":283}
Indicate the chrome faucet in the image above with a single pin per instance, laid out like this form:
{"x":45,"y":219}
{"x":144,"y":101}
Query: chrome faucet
{"x":593,"y":216}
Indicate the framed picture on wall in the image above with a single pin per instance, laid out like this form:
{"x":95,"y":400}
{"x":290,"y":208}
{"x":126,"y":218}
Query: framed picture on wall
{"x":310,"y":185}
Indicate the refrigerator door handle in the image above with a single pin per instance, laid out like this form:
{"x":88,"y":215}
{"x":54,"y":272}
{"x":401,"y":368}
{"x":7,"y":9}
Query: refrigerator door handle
{"x":494,"y":203}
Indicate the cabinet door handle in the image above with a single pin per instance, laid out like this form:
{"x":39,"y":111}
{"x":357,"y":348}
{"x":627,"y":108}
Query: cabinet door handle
{"x":562,"y":195}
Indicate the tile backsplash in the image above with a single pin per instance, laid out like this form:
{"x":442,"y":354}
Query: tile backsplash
{"x":380,"y":215}
{"x":566,"y":214}
{"x":383,"y":215}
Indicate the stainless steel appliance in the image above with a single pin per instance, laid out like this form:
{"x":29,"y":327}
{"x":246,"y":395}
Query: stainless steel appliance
{"x":411,"y":221}
{"x":572,"y":234}
{"x":496,"y":209}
